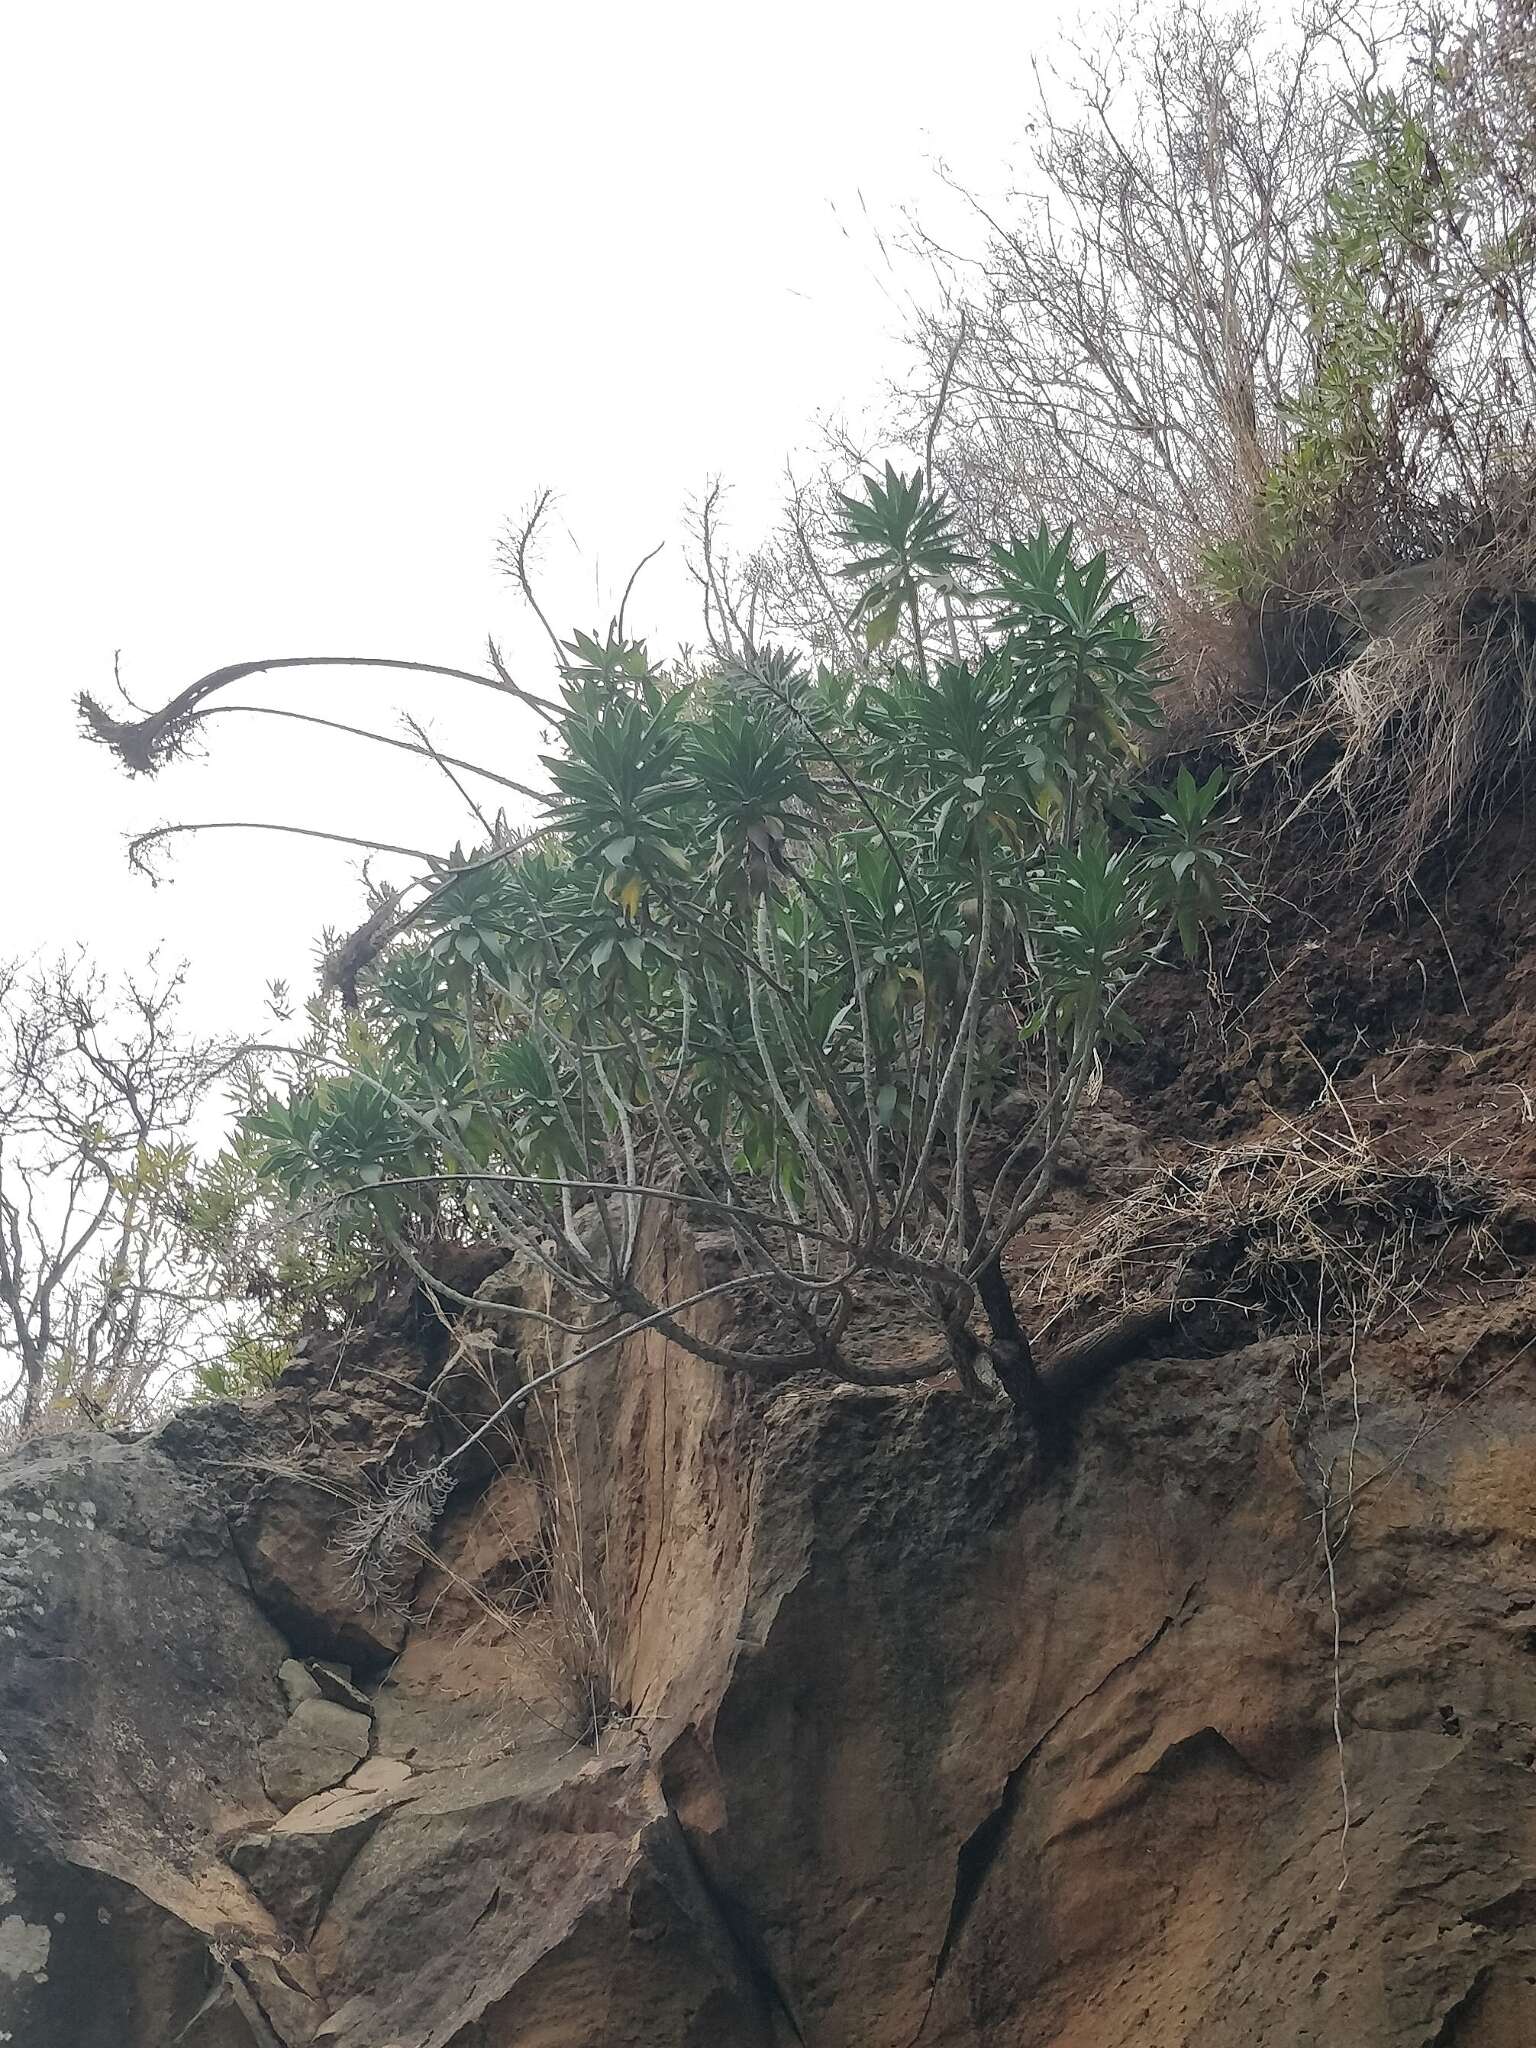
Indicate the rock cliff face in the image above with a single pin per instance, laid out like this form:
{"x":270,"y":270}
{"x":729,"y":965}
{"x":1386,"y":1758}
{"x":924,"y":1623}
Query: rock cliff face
{"x":816,"y":1716}
{"x":909,"y":1743}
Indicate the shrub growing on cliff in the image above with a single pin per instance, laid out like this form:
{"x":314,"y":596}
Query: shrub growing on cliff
{"x":774,"y":943}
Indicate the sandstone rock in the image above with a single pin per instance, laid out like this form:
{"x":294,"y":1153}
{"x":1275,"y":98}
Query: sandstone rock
{"x":294,"y":1465}
{"x":915,"y":1745}
{"x":297,"y":1681}
{"x":379,"y":1774}
{"x":317,"y":1747}
{"x":274,"y":2002}
{"x":294,"y":1867}
{"x":319,"y":1681}
{"x":297,"y":1576}
{"x":517,"y":1904}
{"x":470,"y":1697}
{"x":137,"y":1679}
{"x":334,"y":1682}
{"x":323,"y":1811}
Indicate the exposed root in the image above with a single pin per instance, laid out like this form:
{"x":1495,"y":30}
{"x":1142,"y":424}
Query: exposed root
{"x":1071,"y":1372}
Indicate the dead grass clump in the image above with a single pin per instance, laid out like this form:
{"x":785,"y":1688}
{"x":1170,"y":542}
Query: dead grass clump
{"x":1428,"y":723}
{"x":1314,"y":1232}
{"x":525,"y":1589}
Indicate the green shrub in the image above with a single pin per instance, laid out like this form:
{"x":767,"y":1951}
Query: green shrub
{"x":774,"y":943}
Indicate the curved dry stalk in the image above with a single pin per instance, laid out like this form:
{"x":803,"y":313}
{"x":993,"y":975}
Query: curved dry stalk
{"x":144,"y":744}
{"x":379,"y":739}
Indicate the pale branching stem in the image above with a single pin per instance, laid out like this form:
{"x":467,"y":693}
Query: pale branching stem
{"x":818,"y":1356}
{"x":514,"y":555}
{"x":665,"y":1101}
{"x":969,"y":1030}
{"x":580,"y":1276}
{"x":441,"y":761}
{"x":748,"y":1238}
{"x":949,"y":620}
{"x":919,"y":651}
{"x":627,"y":1140}
{"x":539,"y":1027}
{"x":1038,"y":1184}
{"x":863,"y":798}
{"x":505,"y":1211}
{"x":512,"y":1311}
{"x":914,"y":1181}
{"x":936,"y":419}
{"x":809,"y":1153}
{"x":866,"y":1034}
{"x":545,"y":706}
{"x":634,"y":577}
{"x":379,"y":739}
{"x":714,"y":1206}
{"x":141,"y":841}
{"x":834,"y":610}
{"x":143,"y":744}
{"x":843,"y":1124}
{"x":789,"y":1013}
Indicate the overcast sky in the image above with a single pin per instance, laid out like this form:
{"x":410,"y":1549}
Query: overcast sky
{"x":303,"y":301}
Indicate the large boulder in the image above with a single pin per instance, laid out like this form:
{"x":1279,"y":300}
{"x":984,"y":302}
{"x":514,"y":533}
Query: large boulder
{"x":137,"y":1681}
{"x":532,"y":1902}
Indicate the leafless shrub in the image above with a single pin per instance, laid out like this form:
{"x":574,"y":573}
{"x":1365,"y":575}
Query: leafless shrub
{"x":1135,"y":325}
{"x":100,"y":1307}
{"x":1116,"y":345}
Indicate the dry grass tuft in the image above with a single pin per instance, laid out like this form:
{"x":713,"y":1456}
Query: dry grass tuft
{"x":1313,"y":1232}
{"x":546,"y":1616}
{"x":1430,"y":721}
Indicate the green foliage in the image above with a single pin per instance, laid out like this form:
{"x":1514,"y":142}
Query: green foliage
{"x":901,"y":540}
{"x":249,"y":1363}
{"x":1414,"y":285}
{"x":773,"y":944}
{"x":1188,"y":874}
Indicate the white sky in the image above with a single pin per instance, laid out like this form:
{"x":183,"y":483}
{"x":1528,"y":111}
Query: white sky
{"x":303,"y":301}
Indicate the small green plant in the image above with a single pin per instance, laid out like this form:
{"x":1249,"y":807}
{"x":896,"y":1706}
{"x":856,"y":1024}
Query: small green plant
{"x":249,"y":1363}
{"x":900,"y":541}
{"x":1189,"y":874}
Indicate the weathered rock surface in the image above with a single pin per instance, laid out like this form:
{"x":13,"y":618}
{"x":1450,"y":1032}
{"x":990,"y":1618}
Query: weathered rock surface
{"x":533,"y":1901}
{"x":137,"y":1681}
{"x":910,"y":1743}
{"x":294,"y":1866}
{"x":318,"y":1746}
{"x":298,"y":1682}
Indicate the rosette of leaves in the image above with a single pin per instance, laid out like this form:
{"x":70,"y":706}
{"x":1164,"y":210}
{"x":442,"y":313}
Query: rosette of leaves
{"x":901,"y":542}
{"x":1187,"y":872}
